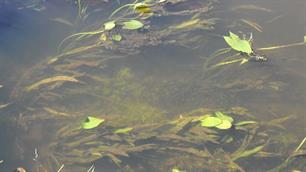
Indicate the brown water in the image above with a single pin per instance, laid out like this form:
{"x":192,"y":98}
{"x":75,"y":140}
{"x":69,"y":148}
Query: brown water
{"x":169,"y":78}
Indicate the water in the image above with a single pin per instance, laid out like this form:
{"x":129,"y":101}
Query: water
{"x":148,"y":85}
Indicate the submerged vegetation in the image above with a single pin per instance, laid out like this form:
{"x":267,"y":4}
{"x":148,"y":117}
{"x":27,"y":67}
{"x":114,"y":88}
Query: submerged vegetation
{"x":105,"y":114}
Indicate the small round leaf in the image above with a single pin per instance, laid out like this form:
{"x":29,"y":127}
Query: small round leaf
{"x":224,"y":125}
{"x":109,"y":25}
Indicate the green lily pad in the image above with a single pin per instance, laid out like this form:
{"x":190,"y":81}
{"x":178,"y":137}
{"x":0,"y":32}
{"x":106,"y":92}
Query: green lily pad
{"x":123,"y":130}
{"x":238,"y":44}
{"x":210,"y":121}
{"x":132,"y":25}
{"x":109,"y":25}
{"x":224,"y":125}
{"x":223,"y":116}
{"x":91,"y":122}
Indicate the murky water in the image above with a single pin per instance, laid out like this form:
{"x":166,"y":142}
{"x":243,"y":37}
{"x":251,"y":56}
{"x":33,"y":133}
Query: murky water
{"x":146,"y":82}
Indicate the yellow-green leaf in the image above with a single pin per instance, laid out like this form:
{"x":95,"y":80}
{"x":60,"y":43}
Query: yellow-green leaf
{"x":223,"y":116}
{"x":132,"y":25}
{"x":305,"y":38}
{"x":176,"y":170}
{"x":210,"y":121}
{"x":123,"y":130}
{"x":109,"y":25}
{"x":224,"y":125}
{"x":142,"y":8}
{"x":117,"y":37}
{"x":91,"y":122}
{"x":238,"y":44}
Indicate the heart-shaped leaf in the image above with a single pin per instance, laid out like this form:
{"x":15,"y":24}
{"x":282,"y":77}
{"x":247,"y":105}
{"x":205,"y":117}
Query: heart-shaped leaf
{"x":91,"y":122}
{"x":238,"y":44}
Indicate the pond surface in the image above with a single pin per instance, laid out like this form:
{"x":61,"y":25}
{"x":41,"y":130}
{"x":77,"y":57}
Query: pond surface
{"x":158,"y":83}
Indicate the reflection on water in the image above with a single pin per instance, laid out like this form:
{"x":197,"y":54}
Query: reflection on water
{"x":152,"y":85}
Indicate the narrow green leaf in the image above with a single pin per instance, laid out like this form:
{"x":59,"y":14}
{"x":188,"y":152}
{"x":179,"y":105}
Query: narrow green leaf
{"x":305,"y":38}
{"x":229,"y":62}
{"x":245,"y":123}
{"x":248,"y":152}
{"x":109,"y":25}
{"x":123,"y":130}
{"x":224,"y":125}
{"x":117,"y":37}
{"x":132,"y":25}
{"x":210,"y":121}
{"x":91,"y":122}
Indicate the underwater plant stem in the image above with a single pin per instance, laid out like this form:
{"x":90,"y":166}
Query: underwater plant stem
{"x":60,"y":169}
{"x":281,"y":46}
{"x":289,"y":159}
{"x":120,"y":8}
{"x":95,"y":32}
{"x":79,"y":8}
{"x":300,"y":145}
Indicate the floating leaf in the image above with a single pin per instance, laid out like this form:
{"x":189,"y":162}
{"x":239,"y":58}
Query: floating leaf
{"x":238,"y":44}
{"x":117,"y":37}
{"x":223,"y":116}
{"x":142,"y":8}
{"x":50,"y":80}
{"x":123,"y":130}
{"x":109,"y":25}
{"x":224,"y":125}
{"x":91,"y":122}
{"x":210,"y":121}
{"x":245,"y":123}
{"x":132,"y":25}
